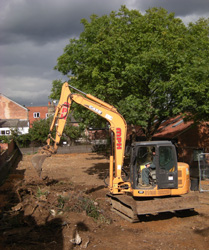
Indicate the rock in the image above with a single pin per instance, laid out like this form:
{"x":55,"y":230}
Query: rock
{"x":53,"y":212}
{"x":77,"y":240}
{"x":85,"y":245}
{"x":17,"y":207}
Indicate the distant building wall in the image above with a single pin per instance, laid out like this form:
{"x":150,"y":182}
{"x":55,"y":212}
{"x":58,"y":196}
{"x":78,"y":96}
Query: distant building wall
{"x":7,"y":125}
{"x":195,"y":138}
{"x":192,"y":142}
{"x":12,"y":110}
{"x":40,"y":112}
{"x":7,"y":130}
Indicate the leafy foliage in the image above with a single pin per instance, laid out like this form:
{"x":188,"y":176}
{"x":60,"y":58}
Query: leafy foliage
{"x":5,"y":139}
{"x":56,"y":89}
{"x":22,"y":140}
{"x":149,"y":66}
{"x":72,"y":133}
{"x":40,"y":130}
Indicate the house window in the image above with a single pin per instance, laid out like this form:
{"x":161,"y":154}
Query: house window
{"x":47,"y":115}
{"x":36,"y":115}
{"x":5,"y":132}
{"x":196,"y":152}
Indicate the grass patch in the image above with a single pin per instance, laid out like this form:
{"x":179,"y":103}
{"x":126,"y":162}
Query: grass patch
{"x":61,"y":201}
{"x":41,"y":192}
{"x":79,"y":202}
{"x":88,"y":205}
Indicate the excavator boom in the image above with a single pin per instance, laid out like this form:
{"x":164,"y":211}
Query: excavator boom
{"x":117,"y":126}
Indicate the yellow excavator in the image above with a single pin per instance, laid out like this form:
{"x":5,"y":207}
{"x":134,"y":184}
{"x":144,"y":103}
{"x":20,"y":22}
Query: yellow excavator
{"x":169,"y":180}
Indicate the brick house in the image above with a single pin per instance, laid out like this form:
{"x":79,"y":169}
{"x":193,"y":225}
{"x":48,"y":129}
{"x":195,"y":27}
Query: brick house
{"x":12,"y":116}
{"x":12,"y":110}
{"x":40,"y":112}
{"x":6,"y":125}
{"x":36,"y":113}
{"x":190,"y":139}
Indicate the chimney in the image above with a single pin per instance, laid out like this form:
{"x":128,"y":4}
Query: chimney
{"x":51,"y":108}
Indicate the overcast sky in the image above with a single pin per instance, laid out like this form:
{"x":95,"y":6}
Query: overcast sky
{"x":33,"y":34}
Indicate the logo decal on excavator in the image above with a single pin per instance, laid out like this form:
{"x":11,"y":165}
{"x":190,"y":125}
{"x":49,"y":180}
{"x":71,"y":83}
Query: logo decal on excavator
{"x":94,"y":109}
{"x":118,"y":138}
{"x":65,"y":107}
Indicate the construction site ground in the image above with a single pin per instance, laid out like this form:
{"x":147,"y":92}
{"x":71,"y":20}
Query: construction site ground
{"x":68,"y":209}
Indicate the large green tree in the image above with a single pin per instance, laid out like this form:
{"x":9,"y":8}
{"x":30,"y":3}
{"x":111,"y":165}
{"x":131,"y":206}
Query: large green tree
{"x":150,"y":66}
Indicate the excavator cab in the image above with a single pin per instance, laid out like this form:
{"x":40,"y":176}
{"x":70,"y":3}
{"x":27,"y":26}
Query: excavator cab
{"x":162,"y":159}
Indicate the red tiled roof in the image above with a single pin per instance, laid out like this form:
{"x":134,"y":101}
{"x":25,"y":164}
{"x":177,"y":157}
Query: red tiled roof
{"x":173,"y":127}
{"x":169,"y":129}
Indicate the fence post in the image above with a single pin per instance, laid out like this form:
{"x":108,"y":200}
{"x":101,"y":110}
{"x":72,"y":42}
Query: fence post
{"x":203,"y":164}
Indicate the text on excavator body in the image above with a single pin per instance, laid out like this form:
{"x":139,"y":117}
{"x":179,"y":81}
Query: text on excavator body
{"x":118,"y":138}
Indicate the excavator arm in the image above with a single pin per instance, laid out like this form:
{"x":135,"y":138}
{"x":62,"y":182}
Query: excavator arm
{"x":127,"y":206}
{"x":117,"y":126}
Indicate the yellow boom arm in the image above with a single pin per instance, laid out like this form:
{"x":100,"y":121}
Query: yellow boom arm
{"x":117,"y":125}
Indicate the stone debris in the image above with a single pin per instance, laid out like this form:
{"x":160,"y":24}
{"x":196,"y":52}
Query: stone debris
{"x":77,"y":240}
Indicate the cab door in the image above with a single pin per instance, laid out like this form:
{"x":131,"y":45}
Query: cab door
{"x":166,"y":169}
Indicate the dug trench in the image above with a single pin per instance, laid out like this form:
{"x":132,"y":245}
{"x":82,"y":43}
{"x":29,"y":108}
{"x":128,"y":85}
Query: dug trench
{"x":69,"y":209}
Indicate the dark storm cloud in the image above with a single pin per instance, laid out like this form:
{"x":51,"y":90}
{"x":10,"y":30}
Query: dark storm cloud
{"x":43,"y":20}
{"x":179,"y":7}
{"x":33,"y":34}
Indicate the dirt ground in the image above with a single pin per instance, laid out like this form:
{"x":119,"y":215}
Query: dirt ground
{"x":69,"y":210}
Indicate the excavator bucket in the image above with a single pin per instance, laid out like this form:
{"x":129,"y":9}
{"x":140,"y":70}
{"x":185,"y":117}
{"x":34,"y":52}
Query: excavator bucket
{"x":37,"y":162}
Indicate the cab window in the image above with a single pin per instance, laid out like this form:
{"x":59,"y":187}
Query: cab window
{"x":145,"y":155}
{"x":166,"y":158}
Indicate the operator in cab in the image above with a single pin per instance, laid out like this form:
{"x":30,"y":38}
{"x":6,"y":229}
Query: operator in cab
{"x":146,"y":171}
